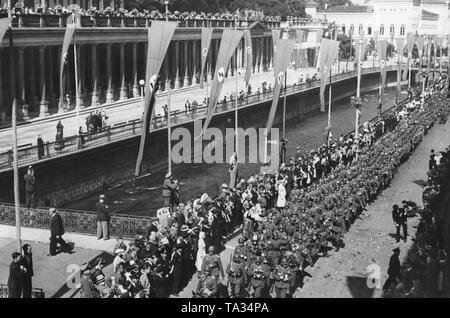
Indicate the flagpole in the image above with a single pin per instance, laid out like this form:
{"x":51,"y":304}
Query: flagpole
{"x":14,"y":129}
{"x":77,"y":102}
{"x":358,"y":90}
{"x":169,"y":128}
{"x":236,"y":98}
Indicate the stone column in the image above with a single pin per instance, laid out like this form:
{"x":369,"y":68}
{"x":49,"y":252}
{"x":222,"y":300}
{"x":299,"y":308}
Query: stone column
{"x":177,"y":64}
{"x":123,"y":86}
{"x":50,"y":81}
{"x":111,"y":4}
{"x":94,"y":75}
{"x":61,"y":98}
{"x":109,"y":89}
{"x":122,"y":4}
{"x":21,"y":74}
{"x":186,"y":63}
{"x":209,"y":63}
{"x":43,"y":110}
{"x":31,"y":75}
{"x":100,"y":5}
{"x":135,"y":73}
{"x":2,"y":104}
{"x":194,"y":62}
{"x":90,"y":4}
{"x":80,"y":75}
{"x":216,"y":52}
{"x":12,"y":77}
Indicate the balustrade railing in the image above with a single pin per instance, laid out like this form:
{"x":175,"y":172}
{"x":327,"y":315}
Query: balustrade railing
{"x":77,"y":221}
{"x":29,"y":154}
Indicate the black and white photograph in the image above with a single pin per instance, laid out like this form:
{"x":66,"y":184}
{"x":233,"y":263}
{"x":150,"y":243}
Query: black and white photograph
{"x":223,"y":154}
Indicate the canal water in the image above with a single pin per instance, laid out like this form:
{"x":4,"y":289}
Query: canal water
{"x":143,"y":196}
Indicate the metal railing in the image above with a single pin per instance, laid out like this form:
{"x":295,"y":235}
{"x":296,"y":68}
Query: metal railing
{"x":59,"y":21}
{"x":78,"y":221}
{"x":29,"y":154}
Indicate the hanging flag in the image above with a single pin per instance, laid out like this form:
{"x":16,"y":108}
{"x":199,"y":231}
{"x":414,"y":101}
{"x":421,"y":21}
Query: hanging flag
{"x":248,"y":57}
{"x":282,"y":63}
{"x":229,"y":42}
{"x":327,"y":54}
{"x":400,"y":45}
{"x":318,"y":39}
{"x":206,"y":41}
{"x":68,"y":35}
{"x":411,"y":39}
{"x":159,"y":37}
{"x":381,"y":51}
{"x":275,"y":37}
{"x":4,"y":24}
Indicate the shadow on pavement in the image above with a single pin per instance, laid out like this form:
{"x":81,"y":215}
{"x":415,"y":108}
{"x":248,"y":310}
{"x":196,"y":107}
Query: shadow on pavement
{"x":65,"y":289}
{"x":358,"y":287}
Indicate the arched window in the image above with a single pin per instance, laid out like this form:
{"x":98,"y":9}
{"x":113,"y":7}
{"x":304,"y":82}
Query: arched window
{"x":392,"y":29}
{"x":352,"y":28}
{"x":382,"y":29}
{"x":402,"y":30}
{"x":343,"y":28}
{"x":369,"y":30}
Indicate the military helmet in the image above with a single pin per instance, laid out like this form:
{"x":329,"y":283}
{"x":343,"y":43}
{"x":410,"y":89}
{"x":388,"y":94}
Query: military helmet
{"x":236,"y":258}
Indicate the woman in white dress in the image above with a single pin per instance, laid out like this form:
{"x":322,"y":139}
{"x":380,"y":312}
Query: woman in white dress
{"x":281,"y":200}
{"x":201,"y":252}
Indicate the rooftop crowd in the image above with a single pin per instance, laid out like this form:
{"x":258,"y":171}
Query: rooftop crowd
{"x":243,"y":15}
{"x":288,"y":219}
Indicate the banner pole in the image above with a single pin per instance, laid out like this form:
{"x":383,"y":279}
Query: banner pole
{"x":169,"y":129}
{"x":358,"y":91}
{"x":15,"y":158}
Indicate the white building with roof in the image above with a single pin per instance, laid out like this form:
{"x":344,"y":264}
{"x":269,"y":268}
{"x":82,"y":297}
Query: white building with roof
{"x":428,"y":17}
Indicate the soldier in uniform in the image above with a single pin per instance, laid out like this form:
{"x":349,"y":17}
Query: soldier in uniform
{"x":237,"y":276}
{"x":282,"y":276}
{"x":212,"y":261}
{"x":274,"y":251}
{"x":400,"y":219}
{"x":207,"y":285}
{"x":241,"y":249}
{"x":259,"y":273}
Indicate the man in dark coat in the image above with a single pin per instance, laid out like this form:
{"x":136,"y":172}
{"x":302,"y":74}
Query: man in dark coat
{"x":176,"y":269}
{"x":159,"y":282}
{"x":41,"y":150}
{"x":400,"y":220}
{"x":16,"y":271}
{"x":30,"y":181}
{"x":394,"y":269}
{"x":103,"y":218}
{"x":27,"y":263}
{"x":56,"y":233}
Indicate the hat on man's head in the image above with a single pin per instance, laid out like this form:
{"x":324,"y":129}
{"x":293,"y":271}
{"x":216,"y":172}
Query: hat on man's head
{"x":397,"y":249}
{"x":52,"y":210}
{"x":168,"y":175}
{"x":184,"y":228}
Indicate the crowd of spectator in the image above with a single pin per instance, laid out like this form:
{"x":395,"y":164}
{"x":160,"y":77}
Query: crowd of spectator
{"x":289,"y":217}
{"x":243,"y":15}
{"x":425,"y":271}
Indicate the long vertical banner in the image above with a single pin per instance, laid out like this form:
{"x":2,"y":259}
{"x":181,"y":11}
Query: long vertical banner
{"x":229,"y":42}
{"x":206,"y":42}
{"x":275,"y":38}
{"x":68,"y":35}
{"x":400,"y":45}
{"x":419,"y":42}
{"x":327,"y":54}
{"x":159,"y":36}
{"x":411,"y":39}
{"x":283,"y":59}
{"x":381,"y":51}
{"x":248,"y":57}
{"x":4,"y":24}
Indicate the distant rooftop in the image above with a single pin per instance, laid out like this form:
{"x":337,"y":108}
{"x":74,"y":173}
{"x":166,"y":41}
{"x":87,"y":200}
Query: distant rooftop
{"x":349,"y":9}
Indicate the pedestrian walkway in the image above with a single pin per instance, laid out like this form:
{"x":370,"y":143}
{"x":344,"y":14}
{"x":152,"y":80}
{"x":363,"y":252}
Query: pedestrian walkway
{"x":41,"y":235}
{"x":122,"y":111}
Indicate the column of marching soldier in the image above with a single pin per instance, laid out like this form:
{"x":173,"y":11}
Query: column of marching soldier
{"x":287,"y":240}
